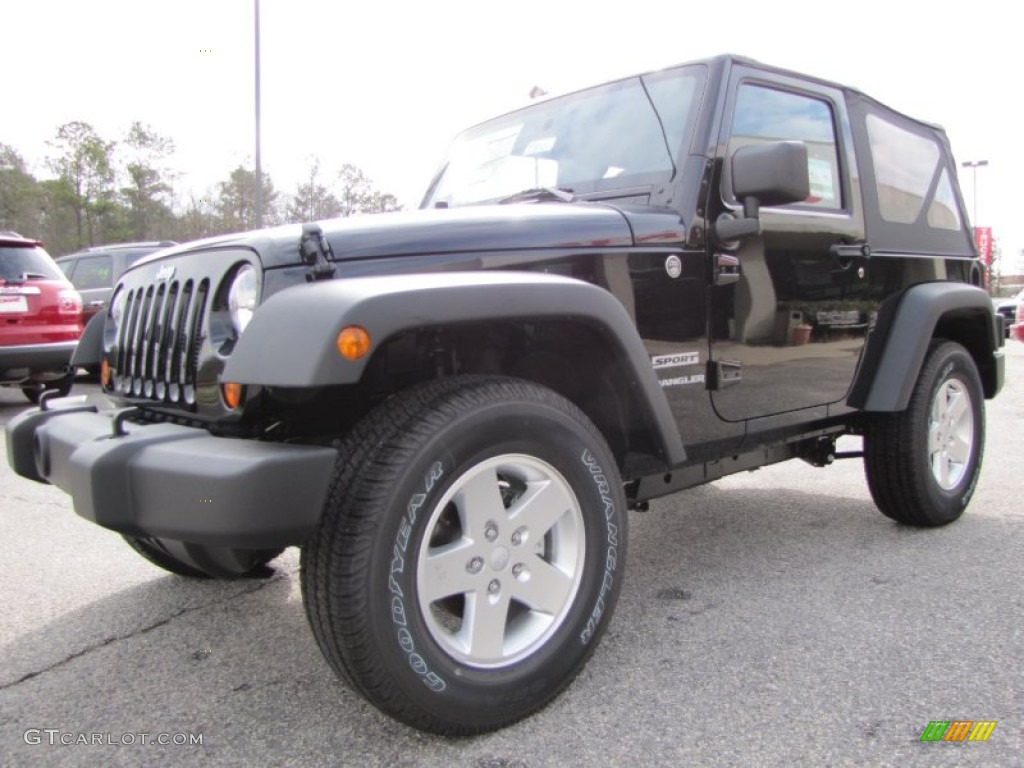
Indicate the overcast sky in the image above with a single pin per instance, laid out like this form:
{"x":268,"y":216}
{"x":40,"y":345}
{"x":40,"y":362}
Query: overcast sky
{"x":385,"y":85}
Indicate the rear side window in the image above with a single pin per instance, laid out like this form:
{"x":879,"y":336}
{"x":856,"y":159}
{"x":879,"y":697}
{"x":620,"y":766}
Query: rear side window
{"x":906,"y":165}
{"x":767,"y":114}
{"x":18,"y":262}
{"x":93,"y":272}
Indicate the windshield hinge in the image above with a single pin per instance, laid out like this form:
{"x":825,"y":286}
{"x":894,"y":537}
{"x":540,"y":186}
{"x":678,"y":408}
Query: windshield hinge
{"x":316,"y":251}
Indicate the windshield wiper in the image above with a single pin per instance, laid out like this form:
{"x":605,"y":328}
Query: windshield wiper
{"x":561,"y":194}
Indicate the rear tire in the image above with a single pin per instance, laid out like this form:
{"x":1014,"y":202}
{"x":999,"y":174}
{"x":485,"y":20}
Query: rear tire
{"x":201,"y":562}
{"x":922,"y":464}
{"x":470,"y":553}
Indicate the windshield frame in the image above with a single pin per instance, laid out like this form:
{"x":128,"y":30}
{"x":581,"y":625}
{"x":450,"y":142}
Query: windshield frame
{"x":673,"y":139}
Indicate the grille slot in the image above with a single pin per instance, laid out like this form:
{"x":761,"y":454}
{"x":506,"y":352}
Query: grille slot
{"x":159,"y":342}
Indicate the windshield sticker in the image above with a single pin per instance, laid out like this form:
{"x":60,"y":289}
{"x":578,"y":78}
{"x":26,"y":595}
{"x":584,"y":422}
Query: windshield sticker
{"x":822,"y":183}
{"x":679,"y":381}
{"x":675,"y":361}
{"x":540,"y":146}
{"x":612,"y":172}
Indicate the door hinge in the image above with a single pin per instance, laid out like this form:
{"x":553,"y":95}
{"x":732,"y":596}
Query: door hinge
{"x":724,"y":373}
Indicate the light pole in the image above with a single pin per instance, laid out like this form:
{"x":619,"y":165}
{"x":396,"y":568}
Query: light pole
{"x":259,"y":166}
{"x":974,"y":165}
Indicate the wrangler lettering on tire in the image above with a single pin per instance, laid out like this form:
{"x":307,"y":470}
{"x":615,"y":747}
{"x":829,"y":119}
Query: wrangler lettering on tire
{"x":467,"y":561}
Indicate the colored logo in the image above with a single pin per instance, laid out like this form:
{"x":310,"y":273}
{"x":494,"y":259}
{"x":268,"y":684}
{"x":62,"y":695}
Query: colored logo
{"x":958,"y":730}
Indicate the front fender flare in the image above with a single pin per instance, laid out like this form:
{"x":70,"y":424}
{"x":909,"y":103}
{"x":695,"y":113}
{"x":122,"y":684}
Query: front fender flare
{"x":90,"y":344}
{"x":291,"y":340}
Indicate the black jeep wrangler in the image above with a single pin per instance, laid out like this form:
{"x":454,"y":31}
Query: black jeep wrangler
{"x":605,"y":298}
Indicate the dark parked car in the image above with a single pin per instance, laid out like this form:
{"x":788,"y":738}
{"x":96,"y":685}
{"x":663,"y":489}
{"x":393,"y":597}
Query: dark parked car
{"x":40,"y":319}
{"x":94,"y":271}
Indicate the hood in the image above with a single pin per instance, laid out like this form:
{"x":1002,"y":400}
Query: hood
{"x":490,"y":228}
{"x":518,"y":227}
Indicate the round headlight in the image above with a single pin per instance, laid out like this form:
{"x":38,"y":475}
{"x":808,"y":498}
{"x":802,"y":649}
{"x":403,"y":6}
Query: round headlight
{"x":242,"y":297}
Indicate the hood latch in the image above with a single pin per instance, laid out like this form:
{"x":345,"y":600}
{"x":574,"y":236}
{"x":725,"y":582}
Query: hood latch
{"x":316,"y":251}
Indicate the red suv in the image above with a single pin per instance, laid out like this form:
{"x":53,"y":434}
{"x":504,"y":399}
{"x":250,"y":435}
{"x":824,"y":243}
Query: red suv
{"x":40,"y":319}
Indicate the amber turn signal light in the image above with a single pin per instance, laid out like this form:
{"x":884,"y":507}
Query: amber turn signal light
{"x":353,"y":342}
{"x":105,"y":374}
{"x":232,"y":392}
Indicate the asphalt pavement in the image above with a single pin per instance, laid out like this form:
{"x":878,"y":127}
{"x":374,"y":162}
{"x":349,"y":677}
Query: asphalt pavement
{"x":773,"y":618}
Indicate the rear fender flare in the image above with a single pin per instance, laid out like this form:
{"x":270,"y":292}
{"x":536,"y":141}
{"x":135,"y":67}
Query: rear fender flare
{"x":905,"y":327}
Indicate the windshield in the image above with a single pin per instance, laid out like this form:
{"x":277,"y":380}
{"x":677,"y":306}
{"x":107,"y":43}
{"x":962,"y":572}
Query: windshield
{"x":615,"y":136}
{"x":18,"y":261}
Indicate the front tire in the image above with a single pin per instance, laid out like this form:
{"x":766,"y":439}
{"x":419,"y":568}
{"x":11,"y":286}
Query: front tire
{"x":922,"y":464}
{"x":470,"y":553}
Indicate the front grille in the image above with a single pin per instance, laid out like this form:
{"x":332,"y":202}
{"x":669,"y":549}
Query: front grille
{"x":159,"y":341}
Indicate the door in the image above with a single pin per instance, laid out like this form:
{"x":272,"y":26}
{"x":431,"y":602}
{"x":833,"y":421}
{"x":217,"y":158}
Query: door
{"x":787,"y":335}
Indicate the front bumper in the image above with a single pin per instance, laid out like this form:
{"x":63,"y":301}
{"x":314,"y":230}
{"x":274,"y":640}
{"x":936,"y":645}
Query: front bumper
{"x":171,"y":481}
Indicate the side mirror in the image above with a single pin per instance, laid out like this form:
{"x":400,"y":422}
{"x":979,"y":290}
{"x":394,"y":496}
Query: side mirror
{"x":774,"y":173}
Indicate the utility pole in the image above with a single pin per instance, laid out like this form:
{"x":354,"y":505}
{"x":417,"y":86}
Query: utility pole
{"x":974,"y":165}
{"x":259,"y":165}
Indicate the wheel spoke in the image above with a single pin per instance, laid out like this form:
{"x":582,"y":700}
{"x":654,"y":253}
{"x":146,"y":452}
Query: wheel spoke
{"x":540,"y":507}
{"x":479,"y":500}
{"x":957,"y":407}
{"x":934,"y":439}
{"x":960,"y":450}
{"x":484,"y":625}
{"x":940,"y":469}
{"x":547,"y":589}
{"x":445,"y":573}
{"x":939,"y":405}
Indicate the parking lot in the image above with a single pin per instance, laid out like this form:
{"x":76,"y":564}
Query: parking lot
{"x":772,"y":619}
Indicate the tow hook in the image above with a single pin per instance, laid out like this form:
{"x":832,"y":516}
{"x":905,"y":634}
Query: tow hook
{"x":118,"y":429}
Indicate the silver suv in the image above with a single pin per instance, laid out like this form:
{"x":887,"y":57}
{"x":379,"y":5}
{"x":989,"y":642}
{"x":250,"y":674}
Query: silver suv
{"x":94,"y":271}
